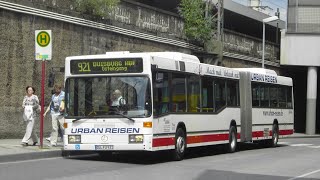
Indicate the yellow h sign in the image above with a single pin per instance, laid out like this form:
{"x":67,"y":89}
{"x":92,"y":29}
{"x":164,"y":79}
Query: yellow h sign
{"x":43,"y":45}
{"x":43,"y":39}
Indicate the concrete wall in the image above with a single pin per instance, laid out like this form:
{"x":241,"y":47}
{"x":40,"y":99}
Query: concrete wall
{"x":19,"y":69}
{"x":300,"y":49}
{"x":245,"y":45}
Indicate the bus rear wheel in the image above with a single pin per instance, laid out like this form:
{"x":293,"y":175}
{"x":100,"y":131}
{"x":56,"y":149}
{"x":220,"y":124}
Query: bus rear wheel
{"x":275,"y":136}
{"x":180,"y":145}
{"x":232,"y":145}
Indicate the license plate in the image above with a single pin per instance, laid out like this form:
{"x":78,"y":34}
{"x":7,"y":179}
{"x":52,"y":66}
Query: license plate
{"x":104,"y":147}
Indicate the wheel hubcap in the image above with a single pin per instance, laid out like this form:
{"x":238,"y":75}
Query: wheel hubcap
{"x":180,"y":144}
{"x":275,"y":137}
{"x":233,"y":141}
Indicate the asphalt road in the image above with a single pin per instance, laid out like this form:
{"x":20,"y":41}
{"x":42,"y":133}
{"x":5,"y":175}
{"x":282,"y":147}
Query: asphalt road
{"x":293,"y":159}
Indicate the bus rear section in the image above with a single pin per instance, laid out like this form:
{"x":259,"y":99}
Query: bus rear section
{"x":267,"y":105}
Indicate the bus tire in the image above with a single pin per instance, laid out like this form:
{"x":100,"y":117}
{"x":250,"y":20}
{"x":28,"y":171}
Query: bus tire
{"x":232,"y":145}
{"x":275,"y":136}
{"x":180,"y":145}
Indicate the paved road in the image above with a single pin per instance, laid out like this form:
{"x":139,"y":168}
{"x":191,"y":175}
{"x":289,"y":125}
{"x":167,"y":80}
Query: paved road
{"x":294,"y":159}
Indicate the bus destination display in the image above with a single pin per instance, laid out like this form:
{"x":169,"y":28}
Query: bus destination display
{"x":106,"y":66}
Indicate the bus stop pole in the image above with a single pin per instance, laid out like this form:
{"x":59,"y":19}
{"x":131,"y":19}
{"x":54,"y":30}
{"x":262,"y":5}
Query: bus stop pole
{"x":42,"y":102}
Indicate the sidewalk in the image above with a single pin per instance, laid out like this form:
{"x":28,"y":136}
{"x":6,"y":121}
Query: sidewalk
{"x":11,"y":150}
{"x":302,"y":135}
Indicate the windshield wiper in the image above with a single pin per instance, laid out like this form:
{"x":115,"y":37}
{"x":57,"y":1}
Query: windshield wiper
{"x":77,"y":119}
{"x":117,"y":113}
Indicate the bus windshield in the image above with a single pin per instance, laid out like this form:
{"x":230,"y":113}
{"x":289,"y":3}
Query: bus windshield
{"x":108,"y":97}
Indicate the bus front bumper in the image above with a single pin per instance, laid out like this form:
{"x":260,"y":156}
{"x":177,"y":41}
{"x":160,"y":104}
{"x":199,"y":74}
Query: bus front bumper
{"x":106,"y":147}
{"x":115,"y":143}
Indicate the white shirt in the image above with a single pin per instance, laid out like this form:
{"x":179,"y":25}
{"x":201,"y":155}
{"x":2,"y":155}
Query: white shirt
{"x":117,"y":101}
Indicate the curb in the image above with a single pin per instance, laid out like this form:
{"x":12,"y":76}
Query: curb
{"x":43,"y":155}
{"x":30,"y":155}
{"x":291,"y":137}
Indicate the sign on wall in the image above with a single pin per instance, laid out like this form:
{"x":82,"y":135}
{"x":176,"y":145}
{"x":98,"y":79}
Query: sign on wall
{"x":43,"y":44}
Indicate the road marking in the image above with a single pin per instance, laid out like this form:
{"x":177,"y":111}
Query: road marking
{"x":285,"y":143}
{"x":33,"y":160}
{"x":299,"y":145}
{"x":304,"y":175}
{"x":314,"y":146}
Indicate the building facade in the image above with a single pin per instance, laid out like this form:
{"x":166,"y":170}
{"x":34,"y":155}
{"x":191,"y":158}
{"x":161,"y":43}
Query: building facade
{"x":300,"y":54}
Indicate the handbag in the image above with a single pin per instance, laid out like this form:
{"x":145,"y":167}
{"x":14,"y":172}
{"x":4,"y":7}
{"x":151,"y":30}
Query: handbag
{"x":27,"y":113}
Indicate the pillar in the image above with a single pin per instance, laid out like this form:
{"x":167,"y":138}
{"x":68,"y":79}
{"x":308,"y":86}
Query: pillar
{"x":311,"y":101}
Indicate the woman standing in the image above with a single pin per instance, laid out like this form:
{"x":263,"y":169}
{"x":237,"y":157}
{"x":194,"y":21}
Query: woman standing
{"x":31,"y":107}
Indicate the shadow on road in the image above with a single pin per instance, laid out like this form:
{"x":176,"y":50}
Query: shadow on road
{"x":149,"y":158}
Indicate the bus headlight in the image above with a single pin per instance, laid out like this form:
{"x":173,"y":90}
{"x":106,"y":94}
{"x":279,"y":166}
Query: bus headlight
{"x":74,"y":139}
{"x":135,"y":138}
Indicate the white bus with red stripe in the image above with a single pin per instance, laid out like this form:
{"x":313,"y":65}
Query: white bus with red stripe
{"x":173,"y":102}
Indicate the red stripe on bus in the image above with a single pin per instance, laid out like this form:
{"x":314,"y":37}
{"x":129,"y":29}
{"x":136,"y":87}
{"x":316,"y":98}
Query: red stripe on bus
{"x":257,"y":134}
{"x":207,"y":138}
{"x":210,"y":138}
{"x":163,"y":142}
{"x":286,"y":132}
{"x":192,"y":139}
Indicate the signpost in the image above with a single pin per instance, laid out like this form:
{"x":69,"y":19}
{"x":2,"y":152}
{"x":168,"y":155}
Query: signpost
{"x":43,"y":52}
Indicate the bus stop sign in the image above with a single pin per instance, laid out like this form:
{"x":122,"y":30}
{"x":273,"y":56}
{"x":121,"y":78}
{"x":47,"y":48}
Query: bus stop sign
{"x":43,"y":44}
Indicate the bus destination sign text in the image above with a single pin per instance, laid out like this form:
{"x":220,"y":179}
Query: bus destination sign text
{"x":106,"y":66}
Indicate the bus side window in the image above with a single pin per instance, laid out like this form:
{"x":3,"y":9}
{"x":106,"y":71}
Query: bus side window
{"x":164,"y":108}
{"x":220,"y":93}
{"x":232,"y":90}
{"x":207,"y":94}
{"x":274,"y":96}
{"x":282,"y":96}
{"x":178,"y":92}
{"x":193,"y":94}
{"x":264,"y":96}
{"x":160,"y":92}
{"x":255,"y":95}
{"x":289,"y":97}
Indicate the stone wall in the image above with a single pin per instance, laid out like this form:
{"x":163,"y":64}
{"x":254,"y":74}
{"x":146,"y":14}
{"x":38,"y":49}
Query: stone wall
{"x":19,"y":68}
{"x":128,"y":14}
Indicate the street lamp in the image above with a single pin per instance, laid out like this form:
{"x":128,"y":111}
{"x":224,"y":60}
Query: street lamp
{"x":264,"y":21}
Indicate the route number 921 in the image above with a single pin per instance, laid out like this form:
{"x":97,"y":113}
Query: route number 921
{"x":84,"y":67}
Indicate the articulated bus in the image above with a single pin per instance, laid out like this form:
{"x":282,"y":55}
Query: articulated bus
{"x":173,"y":102}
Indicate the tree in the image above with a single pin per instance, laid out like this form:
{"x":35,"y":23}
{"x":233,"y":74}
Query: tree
{"x":98,"y":8}
{"x":197,"y":26}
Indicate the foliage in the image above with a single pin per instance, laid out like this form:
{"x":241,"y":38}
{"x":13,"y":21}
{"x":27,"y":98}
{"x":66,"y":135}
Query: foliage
{"x":197,"y":26}
{"x":98,"y":8}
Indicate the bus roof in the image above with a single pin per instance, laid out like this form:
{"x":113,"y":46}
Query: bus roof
{"x":176,"y":56}
{"x":258,"y":70}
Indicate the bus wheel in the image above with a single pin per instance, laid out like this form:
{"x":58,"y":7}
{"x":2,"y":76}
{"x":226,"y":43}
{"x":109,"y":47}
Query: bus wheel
{"x":232,"y":145}
{"x":275,"y":136}
{"x":180,"y":145}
